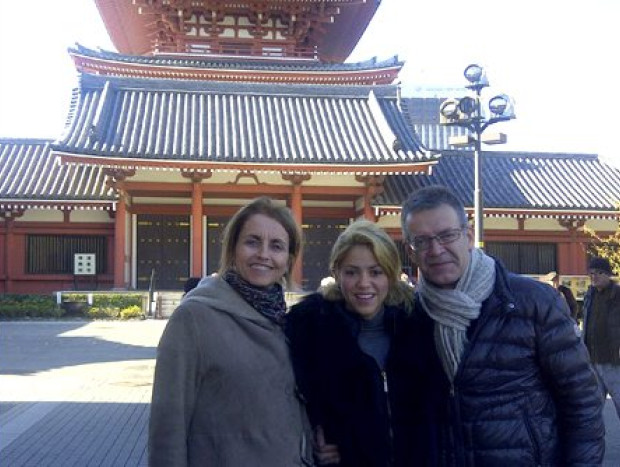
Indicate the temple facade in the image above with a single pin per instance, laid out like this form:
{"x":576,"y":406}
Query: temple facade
{"x":207,"y":104}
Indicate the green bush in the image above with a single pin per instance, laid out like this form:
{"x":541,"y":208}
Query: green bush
{"x":104,"y":305}
{"x":119,"y":301}
{"x":29,"y":306}
{"x":132,"y":312}
{"x":108,"y":312}
{"x":105,"y":300}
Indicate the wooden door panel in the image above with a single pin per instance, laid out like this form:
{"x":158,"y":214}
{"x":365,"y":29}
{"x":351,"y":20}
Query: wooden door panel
{"x":163,"y":245}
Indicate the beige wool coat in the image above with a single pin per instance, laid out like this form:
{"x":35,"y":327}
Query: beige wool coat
{"x":224,"y":391}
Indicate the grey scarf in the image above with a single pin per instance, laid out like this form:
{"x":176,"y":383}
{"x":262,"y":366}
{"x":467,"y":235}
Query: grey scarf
{"x":454,"y":309}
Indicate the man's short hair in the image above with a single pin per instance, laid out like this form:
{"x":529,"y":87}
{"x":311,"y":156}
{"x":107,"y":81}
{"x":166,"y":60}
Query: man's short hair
{"x":427,"y":198}
{"x":601,"y":264}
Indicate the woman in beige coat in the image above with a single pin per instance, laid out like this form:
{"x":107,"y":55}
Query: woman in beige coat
{"x":224,"y":390}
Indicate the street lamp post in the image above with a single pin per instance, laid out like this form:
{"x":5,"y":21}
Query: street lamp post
{"x":470,"y":113}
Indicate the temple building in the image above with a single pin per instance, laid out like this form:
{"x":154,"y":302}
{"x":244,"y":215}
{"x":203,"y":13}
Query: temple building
{"x":207,"y":104}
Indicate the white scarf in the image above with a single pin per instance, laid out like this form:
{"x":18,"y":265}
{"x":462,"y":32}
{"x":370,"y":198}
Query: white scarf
{"x":454,"y":309}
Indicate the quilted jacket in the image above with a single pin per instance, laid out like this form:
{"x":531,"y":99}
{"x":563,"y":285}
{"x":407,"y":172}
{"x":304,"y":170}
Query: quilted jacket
{"x":524,"y":393}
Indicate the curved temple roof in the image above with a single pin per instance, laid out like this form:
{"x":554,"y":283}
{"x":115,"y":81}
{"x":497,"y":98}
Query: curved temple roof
{"x":517,"y":181}
{"x":278,"y":125}
{"x":30,"y":173}
{"x":235,"y":69}
{"x":524,"y":183}
{"x":237,"y":63}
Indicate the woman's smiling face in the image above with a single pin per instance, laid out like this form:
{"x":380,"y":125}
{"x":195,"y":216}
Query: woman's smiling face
{"x":262,"y":251}
{"x":362,"y":281}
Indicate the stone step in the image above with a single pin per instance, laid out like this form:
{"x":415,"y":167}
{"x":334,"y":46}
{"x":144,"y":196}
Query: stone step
{"x":165,"y":302}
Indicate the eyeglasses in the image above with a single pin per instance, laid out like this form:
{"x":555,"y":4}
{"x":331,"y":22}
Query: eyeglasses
{"x":423,"y":242}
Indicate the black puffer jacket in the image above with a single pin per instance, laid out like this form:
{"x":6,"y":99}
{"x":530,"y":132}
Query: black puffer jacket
{"x":344,"y":387}
{"x":524,"y":393}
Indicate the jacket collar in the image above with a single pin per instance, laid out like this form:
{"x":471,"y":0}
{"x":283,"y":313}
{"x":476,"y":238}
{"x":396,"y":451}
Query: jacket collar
{"x":502,"y":298}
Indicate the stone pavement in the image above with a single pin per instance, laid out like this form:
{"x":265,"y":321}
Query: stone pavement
{"x":77,"y":393}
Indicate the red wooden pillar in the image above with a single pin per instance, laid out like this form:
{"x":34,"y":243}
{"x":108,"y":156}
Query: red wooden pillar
{"x":115,"y":180}
{"x":578,"y":251}
{"x":8,"y":254}
{"x":564,"y":258}
{"x":374,"y":186}
{"x":120,"y":229}
{"x":196,"y":177}
{"x":197,"y":234}
{"x":368,"y":212}
{"x":10,"y":245}
{"x":572,"y":255}
{"x":296,"y":208}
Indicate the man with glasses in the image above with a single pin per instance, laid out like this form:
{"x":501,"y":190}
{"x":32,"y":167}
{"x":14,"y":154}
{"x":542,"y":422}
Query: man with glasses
{"x":601,"y":310}
{"x":508,"y":380}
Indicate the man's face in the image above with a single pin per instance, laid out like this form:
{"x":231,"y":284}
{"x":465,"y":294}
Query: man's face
{"x":442,"y":265}
{"x":599,"y":279}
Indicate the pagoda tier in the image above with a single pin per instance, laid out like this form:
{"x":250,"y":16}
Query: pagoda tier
{"x":324,"y":30}
{"x":196,"y":68}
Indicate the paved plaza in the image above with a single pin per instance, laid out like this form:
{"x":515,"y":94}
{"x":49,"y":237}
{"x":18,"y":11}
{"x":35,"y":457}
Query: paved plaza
{"x":77,"y":393}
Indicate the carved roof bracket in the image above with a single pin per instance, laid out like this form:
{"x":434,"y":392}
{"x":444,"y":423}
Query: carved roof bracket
{"x":118,"y":175}
{"x":572,"y":225}
{"x":296,"y":178}
{"x":246,"y":174}
{"x":11,"y":214}
{"x":115,"y":177}
{"x":197,"y":176}
{"x":373,"y":183}
{"x":371,"y":180}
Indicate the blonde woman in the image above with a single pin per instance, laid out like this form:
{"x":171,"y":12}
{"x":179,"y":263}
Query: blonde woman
{"x":352,"y":355}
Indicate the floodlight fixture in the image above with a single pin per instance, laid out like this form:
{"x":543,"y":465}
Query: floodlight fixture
{"x":449,"y":109}
{"x":476,"y":76}
{"x":502,"y":106}
{"x":468,"y":106}
{"x":468,"y":112}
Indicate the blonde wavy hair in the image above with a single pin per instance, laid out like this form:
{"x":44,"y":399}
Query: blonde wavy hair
{"x":368,"y":234}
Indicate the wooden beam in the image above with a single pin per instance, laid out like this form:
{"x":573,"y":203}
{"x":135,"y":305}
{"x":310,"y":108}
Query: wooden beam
{"x":119,"y":243}
{"x":196,"y":230}
{"x":168,"y":164}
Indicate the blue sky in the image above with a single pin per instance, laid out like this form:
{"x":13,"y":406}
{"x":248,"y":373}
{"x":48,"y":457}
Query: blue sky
{"x":559,"y":60}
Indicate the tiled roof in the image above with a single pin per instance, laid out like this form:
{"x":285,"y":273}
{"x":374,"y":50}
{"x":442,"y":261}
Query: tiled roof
{"x":278,"y":124}
{"x":422,"y":113}
{"x":30,"y":173}
{"x":236,"y":63}
{"x":518,"y":181}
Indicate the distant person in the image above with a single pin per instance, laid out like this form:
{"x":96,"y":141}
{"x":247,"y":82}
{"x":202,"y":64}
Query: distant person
{"x":508,"y":379}
{"x":554,"y":279}
{"x":601,"y":310}
{"x":224,"y":392}
{"x":351,"y":345}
